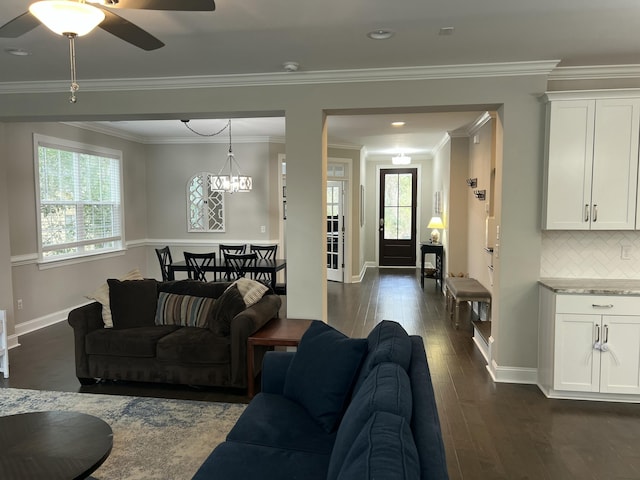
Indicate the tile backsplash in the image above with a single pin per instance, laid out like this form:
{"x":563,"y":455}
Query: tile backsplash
{"x":571,"y":254}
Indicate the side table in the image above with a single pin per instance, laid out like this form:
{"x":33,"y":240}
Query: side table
{"x":277,"y":332}
{"x":438,"y":250}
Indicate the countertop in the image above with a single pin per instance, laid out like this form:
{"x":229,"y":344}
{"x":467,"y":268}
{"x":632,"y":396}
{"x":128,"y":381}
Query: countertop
{"x":592,"y":286}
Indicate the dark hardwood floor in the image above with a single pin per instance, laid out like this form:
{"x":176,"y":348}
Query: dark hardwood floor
{"x":491,"y":431}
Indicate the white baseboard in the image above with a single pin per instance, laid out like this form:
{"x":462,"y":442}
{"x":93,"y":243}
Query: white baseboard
{"x":42,"y":322}
{"x":363,"y":271}
{"x":502,"y":374}
{"x":482,"y":346}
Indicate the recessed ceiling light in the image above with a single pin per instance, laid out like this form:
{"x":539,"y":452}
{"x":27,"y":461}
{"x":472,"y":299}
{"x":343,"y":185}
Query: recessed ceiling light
{"x":18,"y":52}
{"x":398,"y":124}
{"x":291,"y":66}
{"x":380,"y":34}
{"x":446,"y":31}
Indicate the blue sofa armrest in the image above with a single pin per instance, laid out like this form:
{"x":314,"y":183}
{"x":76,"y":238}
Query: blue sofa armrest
{"x":274,"y":371}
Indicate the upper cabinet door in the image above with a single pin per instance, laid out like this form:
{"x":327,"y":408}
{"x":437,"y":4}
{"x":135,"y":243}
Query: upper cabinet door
{"x":591,"y":164}
{"x":615,"y":164}
{"x":568,"y":164}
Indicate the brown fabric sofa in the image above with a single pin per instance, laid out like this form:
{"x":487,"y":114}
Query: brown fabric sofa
{"x":210,"y":352}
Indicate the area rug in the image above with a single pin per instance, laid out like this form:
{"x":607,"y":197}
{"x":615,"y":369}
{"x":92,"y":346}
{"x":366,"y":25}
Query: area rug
{"x":153,"y":439}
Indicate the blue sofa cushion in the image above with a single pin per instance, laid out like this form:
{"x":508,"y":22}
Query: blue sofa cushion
{"x":273,"y":420}
{"x":235,"y":461}
{"x":323,"y":371}
{"x":387,"y":342}
{"x":384,"y":450}
{"x":387,"y":388}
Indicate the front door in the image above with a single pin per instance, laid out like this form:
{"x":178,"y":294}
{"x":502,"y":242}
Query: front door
{"x":397,"y":222}
{"x":335,"y":231}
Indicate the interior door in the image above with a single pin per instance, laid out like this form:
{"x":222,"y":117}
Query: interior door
{"x":397,"y":222}
{"x":335,"y":231}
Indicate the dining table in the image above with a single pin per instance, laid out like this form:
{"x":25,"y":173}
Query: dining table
{"x":261,"y":265}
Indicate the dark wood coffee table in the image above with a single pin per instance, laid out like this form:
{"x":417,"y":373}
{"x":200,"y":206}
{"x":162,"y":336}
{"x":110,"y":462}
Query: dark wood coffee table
{"x":277,"y":332}
{"x":52,"y":445}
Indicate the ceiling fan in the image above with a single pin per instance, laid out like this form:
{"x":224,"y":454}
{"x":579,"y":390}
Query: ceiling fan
{"x":74,"y":18}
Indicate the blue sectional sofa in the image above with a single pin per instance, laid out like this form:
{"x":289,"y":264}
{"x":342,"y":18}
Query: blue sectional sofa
{"x":338,"y":409}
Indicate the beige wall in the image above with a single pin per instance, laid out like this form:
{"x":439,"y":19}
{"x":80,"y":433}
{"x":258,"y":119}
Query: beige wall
{"x":480,"y":167}
{"x":304,"y":107}
{"x":6,"y":287}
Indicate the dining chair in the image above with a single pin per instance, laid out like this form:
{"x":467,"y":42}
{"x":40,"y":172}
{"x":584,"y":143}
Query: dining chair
{"x":266,"y":252}
{"x":236,"y":249}
{"x":198,"y":263}
{"x":164,"y":257}
{"x":238,"y":263}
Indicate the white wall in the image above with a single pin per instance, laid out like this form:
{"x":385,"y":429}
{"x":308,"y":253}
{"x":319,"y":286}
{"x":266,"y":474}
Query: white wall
{"x":6,"y":288}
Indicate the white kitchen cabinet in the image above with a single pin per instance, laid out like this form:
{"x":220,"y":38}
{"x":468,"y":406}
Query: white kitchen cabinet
{"x":591,"y":163}
{"x":589,"y":346}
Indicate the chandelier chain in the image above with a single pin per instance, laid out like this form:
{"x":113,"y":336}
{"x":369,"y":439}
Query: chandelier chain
{"x":228,"y":125}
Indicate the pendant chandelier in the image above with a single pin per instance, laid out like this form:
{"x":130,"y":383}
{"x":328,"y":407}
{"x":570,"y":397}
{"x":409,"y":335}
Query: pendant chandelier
{"x":229,"y":179}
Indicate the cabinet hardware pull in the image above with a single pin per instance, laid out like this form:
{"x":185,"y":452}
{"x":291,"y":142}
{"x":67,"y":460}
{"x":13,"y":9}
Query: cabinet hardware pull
{"x":586,"y":212}
{"x":606,"y":333}
{"x":595,"y":213}
{"x":597,"y":334}
{"x":595,"y":305}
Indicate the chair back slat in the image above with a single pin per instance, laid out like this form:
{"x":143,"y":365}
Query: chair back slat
{"x":164,"y":257}
{"x":198,"y":263}
{"x":238,"y":263}
{"x":267,"y":252}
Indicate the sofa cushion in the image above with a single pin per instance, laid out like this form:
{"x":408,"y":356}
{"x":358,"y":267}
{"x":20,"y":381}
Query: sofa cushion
{"x":276,"y":421}
{"x":225,"y":309}
{"x":387,"y":342}
{"x":231,"y":460}
{"x":384,"y":450}
{"x":322,"y":372}
{"x":193,"y":346}
{"x":195,"y":288}
{"x":101,"y":295}
{"x":251,"y":290}
{"x":133,"y":302}
{"x":126,"y":342}
{"x":184,"y":310}
{"x":387,"y":388}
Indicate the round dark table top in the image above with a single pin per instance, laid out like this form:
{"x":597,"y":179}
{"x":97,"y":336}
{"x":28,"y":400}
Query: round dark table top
{"x":52,"y":445}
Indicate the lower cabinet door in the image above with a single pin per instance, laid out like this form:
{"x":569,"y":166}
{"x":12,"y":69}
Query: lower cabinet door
{"x":620,"y":358}
{"x":577,"y":363}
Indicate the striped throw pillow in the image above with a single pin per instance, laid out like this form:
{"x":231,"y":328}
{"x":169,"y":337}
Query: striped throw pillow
{"x":184,"y":310}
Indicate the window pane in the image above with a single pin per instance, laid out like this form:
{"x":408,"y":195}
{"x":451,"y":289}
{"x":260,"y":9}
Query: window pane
{"x":391,"y":223}
{"x":404,"y":223}
{"x":404,"y":189}
{"x":79,"y":198}
{"x":391,"y":190}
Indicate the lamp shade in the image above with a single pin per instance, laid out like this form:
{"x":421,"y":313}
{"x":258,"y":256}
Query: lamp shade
{"x":435,"y":222}
{"x":64,"y":17}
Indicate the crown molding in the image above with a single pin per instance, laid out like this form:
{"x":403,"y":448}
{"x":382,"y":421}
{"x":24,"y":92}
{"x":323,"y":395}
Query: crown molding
{"x":590,"y":94}
{"x":596,"y":72}
{"x":291,"y":78}
{"x":115,"y":132}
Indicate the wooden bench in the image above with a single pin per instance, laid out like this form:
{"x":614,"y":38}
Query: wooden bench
{"x":462,"y":289}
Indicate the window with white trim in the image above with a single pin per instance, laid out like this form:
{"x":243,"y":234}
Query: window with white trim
{"x":79,"y":198}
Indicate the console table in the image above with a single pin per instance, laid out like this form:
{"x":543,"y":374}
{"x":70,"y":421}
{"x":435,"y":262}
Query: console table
{"x":438,"y":250}
{"x":280,"y":332}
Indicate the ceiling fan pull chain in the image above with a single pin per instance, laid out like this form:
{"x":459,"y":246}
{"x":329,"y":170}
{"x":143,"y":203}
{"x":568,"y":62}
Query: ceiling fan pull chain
{"x":72,"y":60}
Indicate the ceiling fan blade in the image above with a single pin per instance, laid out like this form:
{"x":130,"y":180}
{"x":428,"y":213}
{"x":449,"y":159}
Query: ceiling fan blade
{"x":129,"y":32}
{"x":179,"y":5}
{"x":19,"y":26}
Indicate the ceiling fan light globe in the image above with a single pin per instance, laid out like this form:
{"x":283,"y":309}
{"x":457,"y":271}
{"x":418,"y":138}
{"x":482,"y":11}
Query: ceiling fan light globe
{"x":67,"y":17}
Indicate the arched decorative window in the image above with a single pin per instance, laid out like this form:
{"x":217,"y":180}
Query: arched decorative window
{"x":205,"y":206}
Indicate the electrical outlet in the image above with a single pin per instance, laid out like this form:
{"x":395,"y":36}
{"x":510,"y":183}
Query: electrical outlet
{"x":263,"y":229}
{"x":19,"y":302}
{"x":625,"y":252}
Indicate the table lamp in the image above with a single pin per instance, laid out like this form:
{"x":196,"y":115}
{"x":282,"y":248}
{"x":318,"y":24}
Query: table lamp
{"x":435,"y":223}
